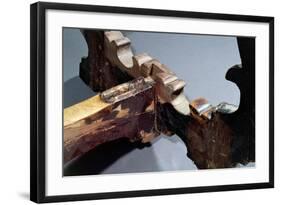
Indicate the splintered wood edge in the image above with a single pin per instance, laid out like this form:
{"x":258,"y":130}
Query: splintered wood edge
{"x":83,"y":109}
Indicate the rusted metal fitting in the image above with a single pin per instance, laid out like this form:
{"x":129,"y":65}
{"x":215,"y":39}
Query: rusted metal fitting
{"x":203,"y":108}
{"x":126,"y":90}
{"x":226,"y":108}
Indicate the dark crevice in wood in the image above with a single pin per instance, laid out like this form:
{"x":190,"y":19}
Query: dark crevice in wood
{"x":223,"y":141}
{"x":95,"y":70}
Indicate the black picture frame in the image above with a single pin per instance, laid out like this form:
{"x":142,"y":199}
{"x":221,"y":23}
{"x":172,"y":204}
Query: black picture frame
{"x":38,"y":109}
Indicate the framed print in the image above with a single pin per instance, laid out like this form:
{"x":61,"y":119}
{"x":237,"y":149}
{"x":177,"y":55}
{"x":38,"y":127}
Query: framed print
{"x":129,"y":102}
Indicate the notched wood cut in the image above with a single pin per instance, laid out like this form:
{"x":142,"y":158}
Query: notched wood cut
{"x":215,"y":136}
{"x":220,"y":136}
{"x":111,"y":61}
{"x":96,"y":122}
{"x":96,"y":70}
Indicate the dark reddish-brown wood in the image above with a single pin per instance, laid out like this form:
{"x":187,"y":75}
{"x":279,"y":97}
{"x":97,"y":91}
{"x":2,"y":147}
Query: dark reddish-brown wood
{"x":222,"y":141}
{"x":95,"y":70}
{"x":209,"y":142}
{"x":132,"y":118}
{"x":226,"y":139}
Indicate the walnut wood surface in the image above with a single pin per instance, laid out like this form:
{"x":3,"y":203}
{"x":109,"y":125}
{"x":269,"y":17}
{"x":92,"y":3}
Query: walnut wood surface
{"x":208,"y":141}
{"x":96,"y":70}
{"x":223,"y":141}
{"x":111,"y":61}
{"x":226,"y":139}
{"x":93,"y":122}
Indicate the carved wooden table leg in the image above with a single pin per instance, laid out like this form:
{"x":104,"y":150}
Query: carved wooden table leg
{"x":215,"y":138}
{"x":227,"y":138}
{"x":129,"y":114}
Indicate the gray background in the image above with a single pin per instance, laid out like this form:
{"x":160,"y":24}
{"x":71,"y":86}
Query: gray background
{"x":200,"y":60}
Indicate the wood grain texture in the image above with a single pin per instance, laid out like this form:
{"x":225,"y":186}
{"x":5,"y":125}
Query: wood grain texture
{"x":83,"y":109}
{"x":209,"y":142}
{"x":93,"y":122}
{"x":111,"y":61}
{"x":219,"y":140}
{"x":96,"y":70}
{"x":226,"y":139}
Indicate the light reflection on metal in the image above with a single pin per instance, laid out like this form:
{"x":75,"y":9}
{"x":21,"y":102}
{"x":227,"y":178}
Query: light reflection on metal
{"x":205,"y":110}
{"x":226,"y":108}
{"x":126,"y":90}
{"x":202,"y":107}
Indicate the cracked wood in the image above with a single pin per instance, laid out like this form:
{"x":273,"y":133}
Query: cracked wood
{"x":93,"y":121}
